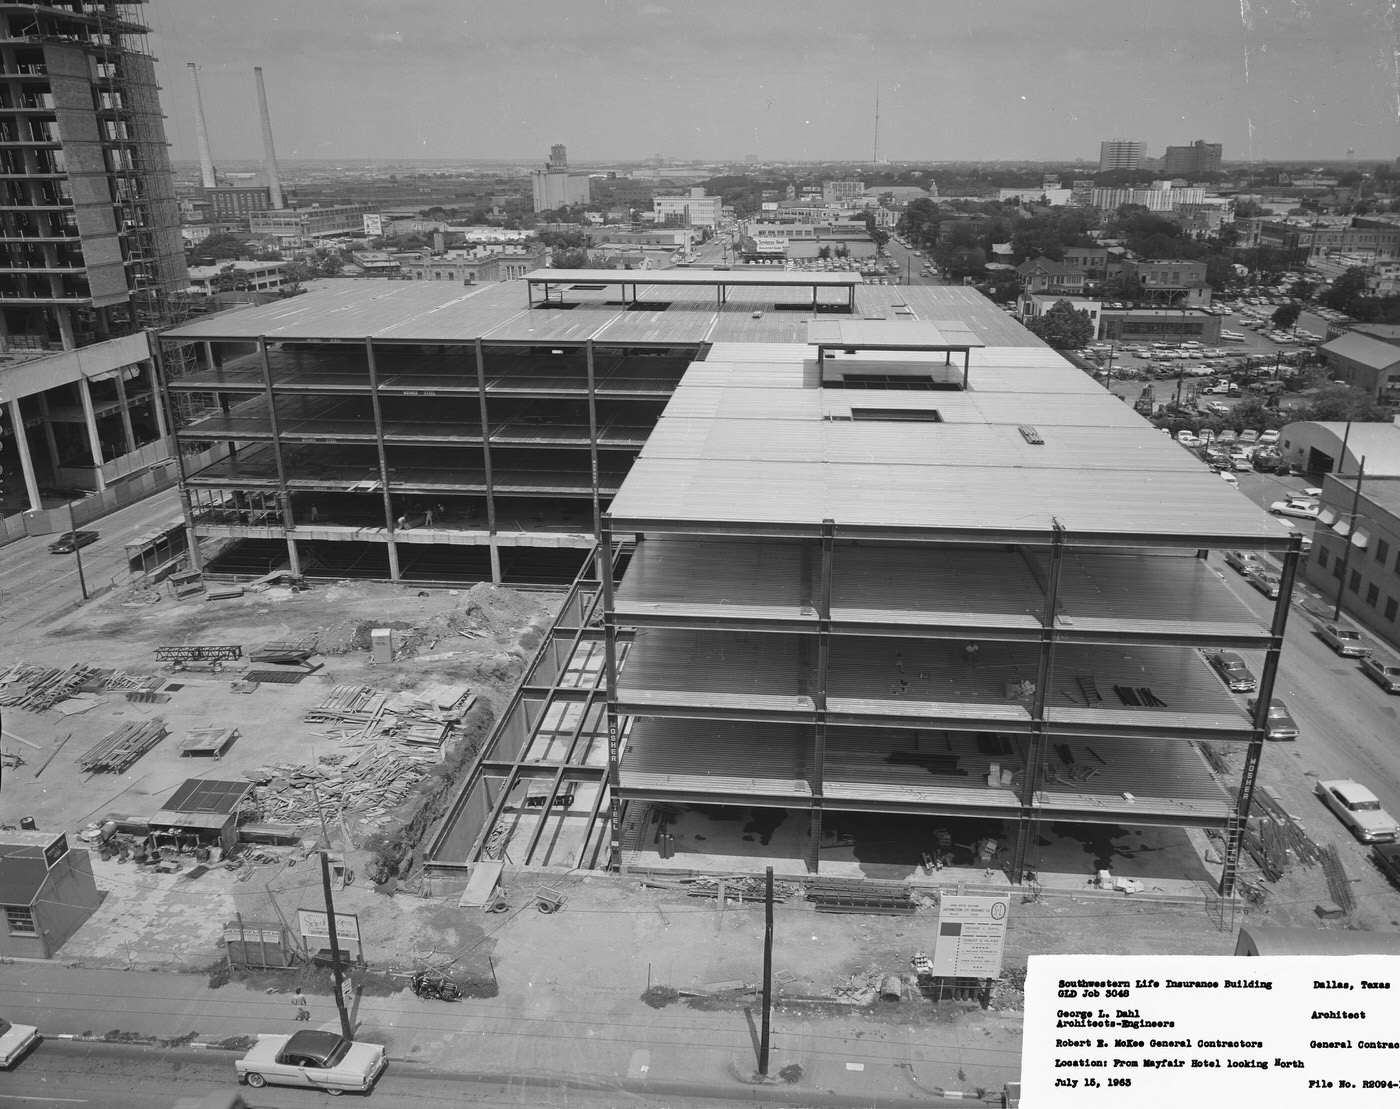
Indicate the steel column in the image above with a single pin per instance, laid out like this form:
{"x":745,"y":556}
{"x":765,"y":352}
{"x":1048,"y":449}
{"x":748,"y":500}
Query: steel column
{"x":1249,"y":773}
{"x":393,"y":547}
{"x":1040,"y":733}
{"x":610,"y":677}
{"x":486,"y":461}
{"x":288,"y":524}
{"x":818,"y":773}
{"x":593,"y":452}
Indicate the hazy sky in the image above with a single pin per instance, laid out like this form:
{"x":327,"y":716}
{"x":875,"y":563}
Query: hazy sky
{"x":783,"y":79}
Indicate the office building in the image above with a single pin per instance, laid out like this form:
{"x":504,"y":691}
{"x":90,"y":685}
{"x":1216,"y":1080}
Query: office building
{"x":842,"y":192}
{"x":297,"y":225}
{"x":90,"y":250}
{"x":1120,"y":154}
{"x":695,"y":209}
{"x":1192,"y":161}
{"x":860,"y":571}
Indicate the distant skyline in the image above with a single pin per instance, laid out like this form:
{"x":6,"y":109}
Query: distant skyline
{"x":623,"y":80}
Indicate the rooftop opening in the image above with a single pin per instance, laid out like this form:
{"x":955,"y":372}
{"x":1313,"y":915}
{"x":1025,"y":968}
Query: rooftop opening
{"x":904,"y":415}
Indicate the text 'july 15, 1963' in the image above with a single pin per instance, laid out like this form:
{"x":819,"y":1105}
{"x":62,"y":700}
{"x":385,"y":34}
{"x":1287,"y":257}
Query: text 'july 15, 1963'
{"x":1146,"y":1031}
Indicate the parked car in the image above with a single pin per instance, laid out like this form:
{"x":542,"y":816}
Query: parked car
{"x":15,"y":1040}
{"x":1243,"y":561}
{"x":1281,"y":723}
{"x":1345,"y":641}
{"x":322,"y":1060}
{"x":70,"y":541}
{"x":1387,"y":857}
{"x":1304,"y":510}
{"x":1265,"y":582}
{"x":1385,"y":672}
{"x":1230,"y":478}
{"x":1359,"y":809}
{"x":1231,"y":667}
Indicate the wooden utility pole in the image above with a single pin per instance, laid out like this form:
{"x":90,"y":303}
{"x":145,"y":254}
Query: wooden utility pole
{"x":345,"y":1029}
{"x":767,"y":976}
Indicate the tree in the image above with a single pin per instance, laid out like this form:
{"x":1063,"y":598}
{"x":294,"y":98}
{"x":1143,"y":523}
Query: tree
{"x":294,"y":275}
{"x":1285,"y":317}
{"x":228,"y":279}
{"x":823,"y":253}
{"x":1334,"y":403}
{"x":217,"y":248}
{"x":919,"y":223}
{"x":1064,"y":326}
{"x":1347,"y":291}
{"x":842,"y":250}
{"x":1302,"y":290}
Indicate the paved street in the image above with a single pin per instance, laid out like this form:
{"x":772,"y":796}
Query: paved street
{"x":38,"y":585}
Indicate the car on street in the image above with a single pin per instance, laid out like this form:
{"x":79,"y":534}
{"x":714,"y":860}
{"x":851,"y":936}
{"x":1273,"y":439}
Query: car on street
{"x":1265,"y":582}
{"x":1345,"y":641}
{"x":1359,"y":809}
{"x":1243,"y":561}
{"x":1304,"y":510}
{"x":70,"y":541}
{"x":1281,"y":723}
{"x":1385,"y":672}
{"x":1230,"y":478}
{"x":1387,"y":857}
{"x":320,"y":1060}
{"x":1231,"y":667}
{"x":15,"y":1040}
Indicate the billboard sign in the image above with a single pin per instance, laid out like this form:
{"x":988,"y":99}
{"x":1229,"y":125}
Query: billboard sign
{"x":971,"y":936}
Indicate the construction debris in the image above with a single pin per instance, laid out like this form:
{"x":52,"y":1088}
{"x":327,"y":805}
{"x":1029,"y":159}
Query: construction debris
{"x":375,"y":781}
{"x":424,"y":719}
{"x":36,"y":688}
{"x":121,"y":748}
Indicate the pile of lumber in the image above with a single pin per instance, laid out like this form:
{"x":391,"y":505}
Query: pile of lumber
{"x":119,"y":749}
{"x":353,"y":707}
{"x":372,"y":783}
{"x":854,"y":895}
{"x":36,"y":688}
{"x":423,"y":719}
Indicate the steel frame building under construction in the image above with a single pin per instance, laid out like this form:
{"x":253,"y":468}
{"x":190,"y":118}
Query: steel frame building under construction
{"x":880,"y":552}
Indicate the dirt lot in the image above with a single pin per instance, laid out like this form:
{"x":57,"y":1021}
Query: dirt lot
{"x":614,"y":935}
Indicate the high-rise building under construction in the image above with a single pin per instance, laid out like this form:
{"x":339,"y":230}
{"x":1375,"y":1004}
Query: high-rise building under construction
{"x":90,"y":249}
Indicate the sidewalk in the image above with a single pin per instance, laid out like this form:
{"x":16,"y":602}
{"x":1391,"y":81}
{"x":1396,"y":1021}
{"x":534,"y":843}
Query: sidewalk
{"x":606,"y":1037}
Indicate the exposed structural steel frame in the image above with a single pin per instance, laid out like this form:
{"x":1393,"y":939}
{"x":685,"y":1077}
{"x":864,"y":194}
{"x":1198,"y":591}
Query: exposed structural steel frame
{"x":855,"y":345}
{"x":583,"y":467}
{"x":1249,"y":774}
{"x":520,"y":723}
{"x":1039,"y":730}
{"x":719,"y":280}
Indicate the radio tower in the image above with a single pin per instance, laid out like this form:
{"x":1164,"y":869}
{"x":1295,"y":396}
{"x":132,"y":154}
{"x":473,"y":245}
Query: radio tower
{"x":876,"y":159}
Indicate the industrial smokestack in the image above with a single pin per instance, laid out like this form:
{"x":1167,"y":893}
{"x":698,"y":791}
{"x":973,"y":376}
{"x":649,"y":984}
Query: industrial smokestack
{"x":274,"y":183}
{"x":206,"y":159}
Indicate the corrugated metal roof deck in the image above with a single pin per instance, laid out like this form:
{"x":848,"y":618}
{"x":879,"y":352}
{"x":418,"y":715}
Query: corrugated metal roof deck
{"x":441,"y":311}
{"x":766,"y":457}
